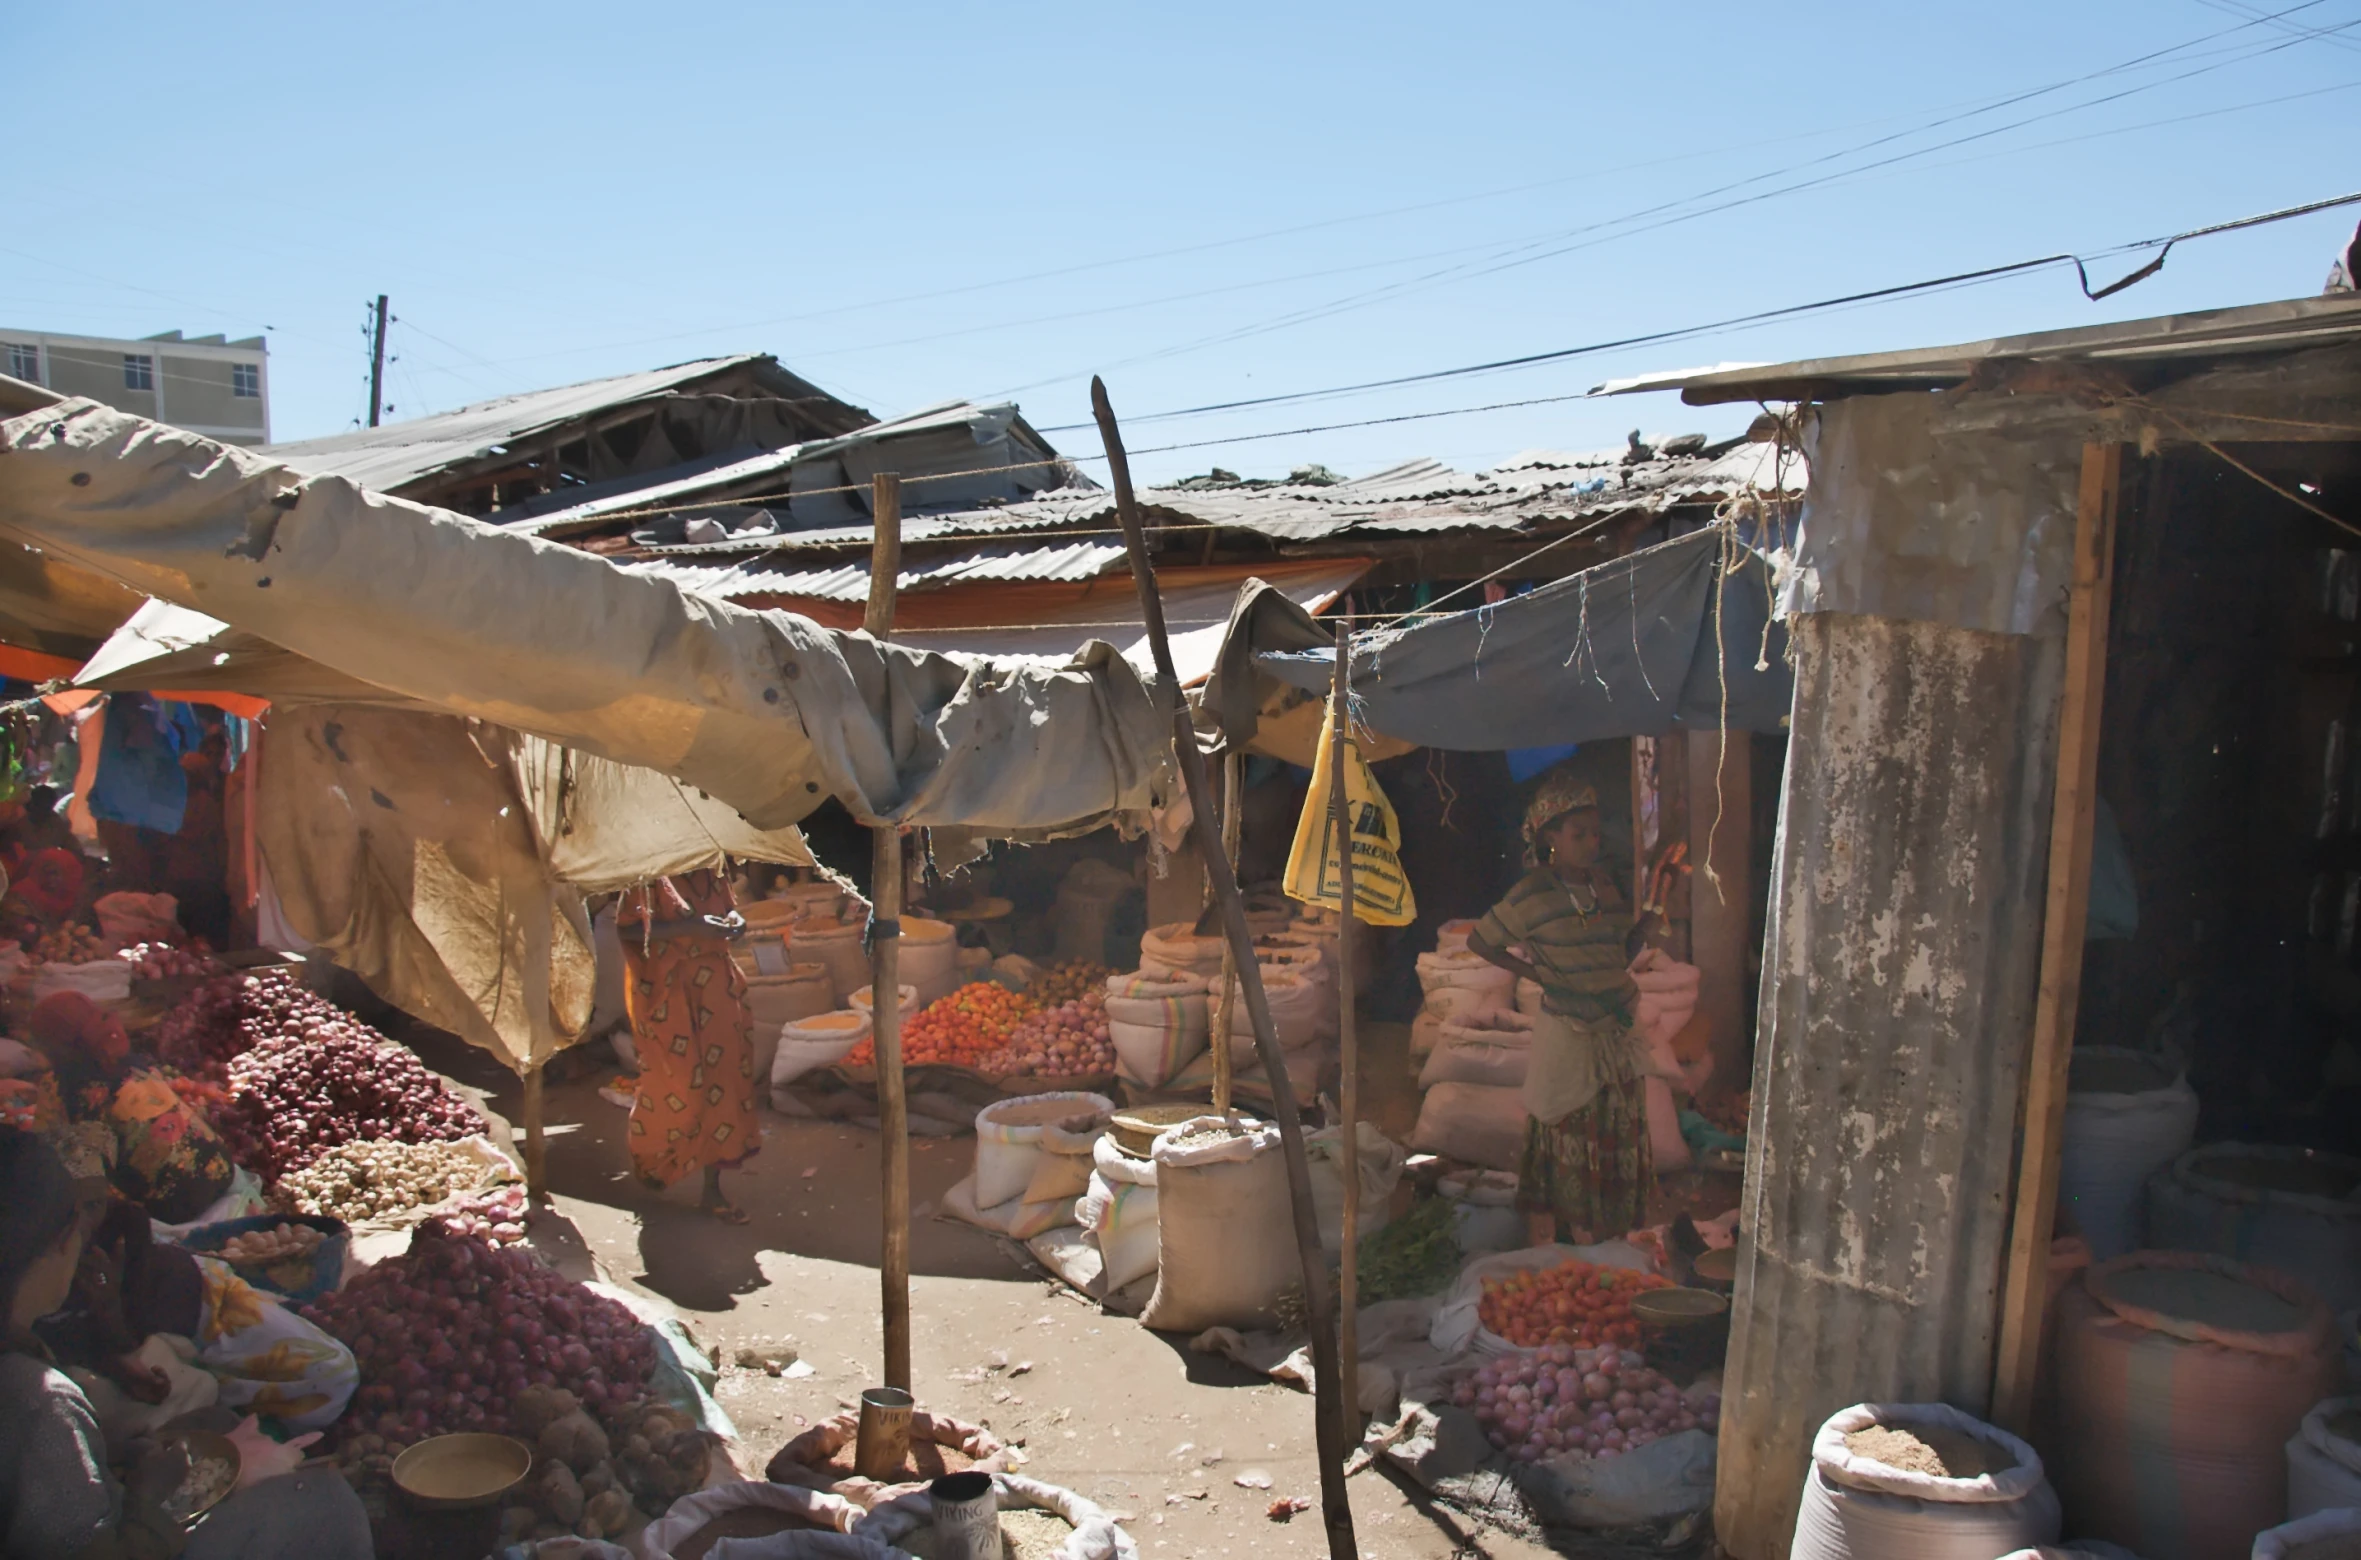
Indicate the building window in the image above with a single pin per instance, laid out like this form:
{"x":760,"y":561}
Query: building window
{"x":24,"y":362}
{"x":139,"y":371}
{"x":246,"y":380}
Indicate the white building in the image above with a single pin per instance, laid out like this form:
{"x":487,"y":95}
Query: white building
{"x":205,"y":384}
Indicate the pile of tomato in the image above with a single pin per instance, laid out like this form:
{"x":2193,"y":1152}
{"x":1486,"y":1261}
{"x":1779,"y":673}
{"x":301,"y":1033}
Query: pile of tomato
{"x":959,"y":1030}
{"x":1576,"y":1302}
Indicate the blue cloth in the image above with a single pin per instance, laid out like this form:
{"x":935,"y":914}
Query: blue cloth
{"x":140,"y":781}
{"x":1525,"y":763}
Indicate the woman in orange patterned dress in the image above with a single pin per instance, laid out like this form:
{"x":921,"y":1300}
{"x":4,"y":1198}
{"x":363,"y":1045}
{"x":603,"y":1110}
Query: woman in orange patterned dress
{"x":687,"y":1002}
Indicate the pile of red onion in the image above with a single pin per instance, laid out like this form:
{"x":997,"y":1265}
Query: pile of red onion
{"x":333,"y":1080}
{"x":162,"y":961}
{"x":449,"y":1333}
{"x":1561,"y":1401}
{"x":226,"y":1016}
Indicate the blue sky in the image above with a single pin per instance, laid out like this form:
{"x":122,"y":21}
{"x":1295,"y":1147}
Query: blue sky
{"x":909,"y":203}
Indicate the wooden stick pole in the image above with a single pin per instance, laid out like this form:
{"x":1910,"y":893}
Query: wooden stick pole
{"x":1348,"y":1298}
{"x":1233,"y":787}
{"x":2073,"y":813}
{"x":536,"y":1140}
{"x":885,"y":992}
{"x":1327,"y":1380}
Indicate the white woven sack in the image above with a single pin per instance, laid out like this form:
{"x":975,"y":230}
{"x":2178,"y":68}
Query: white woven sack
{"x":2324,"y":1535}
{"x":930,"y":957}
{"x":1472,"y":1056}
{"x":1176,"y":948}
{"x":801,"y":991}
{"x":1295,"y":1013}
{"x":1436,"y":970}
{"x":1225,"y":1231}
{"x":806,"y":1047}
{"x":1119,"y":1210}
{"x":1856,"y":1509}
{"x":1451,"y":936}
{"x":2314,"y":1238}
{"x":101,"y":980}
{"x":2323,"y":1468}
{"x":686,"y":1517}
{"x":2116,"y":1137}
{"x":1009,"y":1148}
{"x":865,"y":1001}
{"x":1381,"y":1161}
{"x":1529,"y":998}
{"x":1477,"y":1123}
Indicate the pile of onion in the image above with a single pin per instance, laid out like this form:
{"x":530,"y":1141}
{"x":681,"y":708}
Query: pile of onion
{"x":1563,"y":1401}
{"x":162,"y":961}
{"x":227,"y":1016}
{"x":449,"y":1333}
{"x":334,"y":1081}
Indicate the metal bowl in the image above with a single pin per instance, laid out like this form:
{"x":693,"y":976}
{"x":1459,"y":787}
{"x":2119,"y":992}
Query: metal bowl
{"x":1717,"y":1269}
{"x":205,"y":1446}
{"x":1679,"y":1307}
{"x":456,"y":1472}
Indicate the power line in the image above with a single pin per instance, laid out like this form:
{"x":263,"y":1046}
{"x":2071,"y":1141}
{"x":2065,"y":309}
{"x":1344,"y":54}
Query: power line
{"x":1531,"y":252}
{"x":1652,"y":338}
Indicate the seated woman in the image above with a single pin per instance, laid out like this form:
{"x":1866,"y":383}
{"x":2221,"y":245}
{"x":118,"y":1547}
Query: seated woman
{"x":268,"y":1360}
{"x":164,"y":1156}
{"x":58,"y":1498}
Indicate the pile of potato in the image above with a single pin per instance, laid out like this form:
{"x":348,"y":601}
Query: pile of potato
{"x":357,"y":1181}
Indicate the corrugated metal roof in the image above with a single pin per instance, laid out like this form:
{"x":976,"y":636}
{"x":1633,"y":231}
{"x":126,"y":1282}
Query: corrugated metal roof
{"x":850,"y":581}
{"x":2286,"y":326}
{"x":1418,"y":497}
{"x":388,"y":457}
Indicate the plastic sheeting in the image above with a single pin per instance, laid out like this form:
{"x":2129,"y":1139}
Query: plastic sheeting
{"x":1634,"y":647}
{"x":765,"y":712}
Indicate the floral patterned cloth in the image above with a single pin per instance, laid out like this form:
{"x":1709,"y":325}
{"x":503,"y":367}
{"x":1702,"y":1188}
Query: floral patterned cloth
{"x":689,"y":1024}
{"x":269,"y":1360}
{"x":1592,"y":1169}
{"x":166,"y":1157}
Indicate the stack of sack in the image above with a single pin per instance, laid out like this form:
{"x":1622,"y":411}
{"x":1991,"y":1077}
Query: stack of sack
{"x":1475,"y":1045}
{"x":1457,"y":984}
{"x":1034,"y":1158}
{"x":1158,"y":1024}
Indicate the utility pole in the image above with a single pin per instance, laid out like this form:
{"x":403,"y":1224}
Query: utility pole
{"x":377,"y":364}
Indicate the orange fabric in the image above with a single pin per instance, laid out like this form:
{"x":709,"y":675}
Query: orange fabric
{"x":34,"y":666}
{"x":687,"y":1003}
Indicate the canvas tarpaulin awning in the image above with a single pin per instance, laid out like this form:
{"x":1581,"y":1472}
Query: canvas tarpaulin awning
{"x":765,"y":712}
{"x":1633,"y":647}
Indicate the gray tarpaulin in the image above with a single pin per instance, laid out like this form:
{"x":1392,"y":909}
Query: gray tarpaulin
{"x":1626,"y":649}
{"x":1910,"y":517}
{"x":765,"y":712}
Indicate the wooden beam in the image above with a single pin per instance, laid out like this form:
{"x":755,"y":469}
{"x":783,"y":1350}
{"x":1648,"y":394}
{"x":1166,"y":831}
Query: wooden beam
{"x":1336,"y":1510}
{"x":1233,"y":797}
{"x":1721,"y":851}
{"x":885,"y":992}
{"x":2025,"y":1282}
{"x":1340,"y":816}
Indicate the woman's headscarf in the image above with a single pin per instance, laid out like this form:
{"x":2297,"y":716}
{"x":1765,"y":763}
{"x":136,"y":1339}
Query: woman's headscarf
{"x":76,"y":1033}
{"x":51,"y":884}
{"x":1561,"y":791}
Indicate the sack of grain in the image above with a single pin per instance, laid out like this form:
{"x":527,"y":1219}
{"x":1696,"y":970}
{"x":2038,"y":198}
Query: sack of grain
{"x":1381,"y":1161}
{"x":1013,"y":1134}
{"x":1920,"y":1481}
{"x":798,"y":992}
{"x":1488,"y":1048}
{"x":1456,"y":986}
{"x":838,"y":945}
{"x":809,"y":1044}
{"x":1119,"y":1211}
{"x":2293,"y":1209}
{"x":865,"y":1001}
{"x":2181,"y":1377}
{"x":1479,"y":1124}
{"x":1225,"y":1234}
{"x":1176,"y":949}
{"x":1157,"y":1026}
{"x":2324,"y":1458}
{"x":930,"y":957}
{"x":1295,"y":1013}
{"x":2128,"y":1115}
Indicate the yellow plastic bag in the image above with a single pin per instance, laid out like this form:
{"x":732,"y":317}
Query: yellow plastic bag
{"x":1381,"y":892}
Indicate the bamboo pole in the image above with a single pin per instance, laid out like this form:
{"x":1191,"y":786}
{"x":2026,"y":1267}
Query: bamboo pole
{"x":885,"y":891}
{"x":1327,"y":1420}
{"x":1233,"y":788}
{"x":2073,"y":812}
{"x":1348,"y":1301}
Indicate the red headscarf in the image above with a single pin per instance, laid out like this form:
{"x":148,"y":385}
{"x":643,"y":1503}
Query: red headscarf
{"x":68,"y":1028}
{"x":52,"y":883}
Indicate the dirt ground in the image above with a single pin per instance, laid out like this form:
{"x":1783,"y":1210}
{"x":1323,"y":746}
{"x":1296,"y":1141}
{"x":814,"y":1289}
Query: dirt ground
{"x":1101,"y":1405}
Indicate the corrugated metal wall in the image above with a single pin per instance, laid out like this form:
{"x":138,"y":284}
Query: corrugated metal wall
{"x":1900,"y":966}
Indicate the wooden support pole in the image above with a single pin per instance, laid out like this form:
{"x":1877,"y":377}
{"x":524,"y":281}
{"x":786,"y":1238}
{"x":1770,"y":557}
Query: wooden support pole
{"x":1721,"y":848}
{"x":1327,"y":1380}
{"x":1233,"y":789}
{"x":536,"y":1139}
{"x":885,"y":992}
{"x":1348,"y":1296}
{"x":2025,"y":1283}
